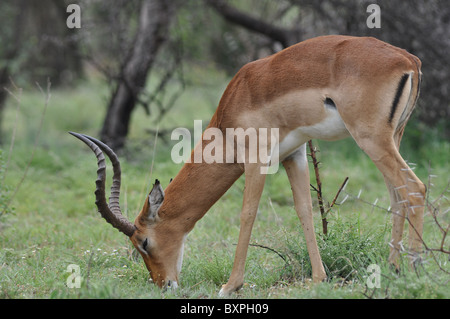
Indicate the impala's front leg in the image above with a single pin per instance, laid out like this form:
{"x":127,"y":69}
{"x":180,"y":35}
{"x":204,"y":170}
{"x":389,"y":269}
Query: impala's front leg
{"x":254,"y":185}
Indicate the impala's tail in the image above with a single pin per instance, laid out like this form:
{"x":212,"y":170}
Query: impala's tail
{"x":404,"y":101}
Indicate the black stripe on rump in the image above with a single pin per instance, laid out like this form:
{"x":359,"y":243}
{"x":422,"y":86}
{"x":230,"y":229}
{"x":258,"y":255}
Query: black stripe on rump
{"x":398,"y":94}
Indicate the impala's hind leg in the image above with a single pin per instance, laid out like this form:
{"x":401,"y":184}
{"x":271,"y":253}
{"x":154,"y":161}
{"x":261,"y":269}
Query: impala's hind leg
{"x":378,"y":131}
{"x":406,"y":190}
{"x":398,"y":222}
{"x":399,"y":213}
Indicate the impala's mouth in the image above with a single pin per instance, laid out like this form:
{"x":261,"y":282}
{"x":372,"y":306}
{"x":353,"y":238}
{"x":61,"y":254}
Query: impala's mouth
{"x":171,"y":284}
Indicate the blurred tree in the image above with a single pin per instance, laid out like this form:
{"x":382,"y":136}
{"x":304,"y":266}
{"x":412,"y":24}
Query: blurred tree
{"x":35,"y":44}
{"x":9,"y":48}
{"x":53,"y":51}
{"x":152,"y":31}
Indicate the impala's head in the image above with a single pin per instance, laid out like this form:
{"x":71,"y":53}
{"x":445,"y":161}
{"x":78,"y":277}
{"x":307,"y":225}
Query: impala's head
{"x":159,"y":243}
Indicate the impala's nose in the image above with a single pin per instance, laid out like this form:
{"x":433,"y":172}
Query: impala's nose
{"x":171,"y":284}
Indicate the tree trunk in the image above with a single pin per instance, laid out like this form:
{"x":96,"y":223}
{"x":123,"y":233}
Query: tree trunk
{"x":154,"y":21}
{"x":7,"y":53}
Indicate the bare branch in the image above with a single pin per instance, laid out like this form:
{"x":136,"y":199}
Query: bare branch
{"x":286,"y":37}
{"x":338,"y":193}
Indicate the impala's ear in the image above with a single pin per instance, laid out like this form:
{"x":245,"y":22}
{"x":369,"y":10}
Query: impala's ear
{"x":155,"y":200}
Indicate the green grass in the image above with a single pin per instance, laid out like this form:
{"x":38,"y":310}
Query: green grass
{"x":55,"y":224}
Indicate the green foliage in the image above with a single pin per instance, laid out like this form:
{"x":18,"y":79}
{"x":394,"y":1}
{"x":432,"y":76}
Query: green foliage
{"x":5,"y":207}
{"x":346,"y":251}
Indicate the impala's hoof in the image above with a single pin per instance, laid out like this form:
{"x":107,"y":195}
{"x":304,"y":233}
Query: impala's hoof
{"x":222,"y":292}
{"x":227,"y":290}
{"x":319,"y":278}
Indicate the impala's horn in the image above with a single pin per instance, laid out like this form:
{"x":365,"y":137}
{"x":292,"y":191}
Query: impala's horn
{"x":110,"y":212}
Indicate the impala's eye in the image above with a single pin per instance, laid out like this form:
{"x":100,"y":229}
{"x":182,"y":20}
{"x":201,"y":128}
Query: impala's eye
{"x":144,"y":244}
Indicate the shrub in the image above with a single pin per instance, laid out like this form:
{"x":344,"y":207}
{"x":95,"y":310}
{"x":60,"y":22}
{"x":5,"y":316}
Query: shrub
{"x":346,"y":251}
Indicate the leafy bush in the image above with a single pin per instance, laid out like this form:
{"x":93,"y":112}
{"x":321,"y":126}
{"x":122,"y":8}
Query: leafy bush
{"x":346,"y":251}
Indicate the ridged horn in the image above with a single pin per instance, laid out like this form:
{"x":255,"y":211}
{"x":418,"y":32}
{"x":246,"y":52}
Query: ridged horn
{"x":111,"y":213}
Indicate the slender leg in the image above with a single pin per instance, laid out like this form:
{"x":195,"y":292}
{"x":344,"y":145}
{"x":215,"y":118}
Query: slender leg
{"x":398,"y":214}
{"x":297,"y":171}
{"x":398,"y":222}
{"x":407,"y":194}
{"x":418,"y":204}
{"x":254,"y":184}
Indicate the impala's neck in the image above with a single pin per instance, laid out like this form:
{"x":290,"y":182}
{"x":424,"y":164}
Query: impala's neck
{"x":194,"y":190}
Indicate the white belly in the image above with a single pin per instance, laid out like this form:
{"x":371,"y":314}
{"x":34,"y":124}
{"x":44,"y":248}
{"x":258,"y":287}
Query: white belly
{"x":331,"y":128}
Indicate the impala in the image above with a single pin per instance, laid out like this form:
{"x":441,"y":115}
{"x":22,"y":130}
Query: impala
{"x":328,"y":88}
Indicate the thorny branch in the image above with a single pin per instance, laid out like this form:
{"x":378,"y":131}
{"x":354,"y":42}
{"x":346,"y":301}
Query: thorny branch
{"x":434,"y":210}
{"x":319,"y":187}
{"x":318,"y":190}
